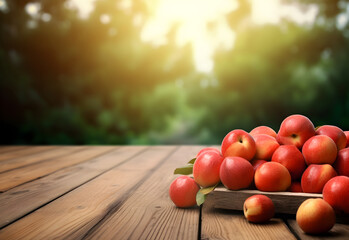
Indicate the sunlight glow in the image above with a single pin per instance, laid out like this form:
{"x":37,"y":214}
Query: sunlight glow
{"x":193,"y":18}
{"x":342,"y":20}
{"x":200,"y":23}
{"x":104,"y":18}
{"x":46,"y":17}
{"x":84,"y":7}
{"x":3,"y":6}
{"x":33,"y":9}
{"x":272,"y":11}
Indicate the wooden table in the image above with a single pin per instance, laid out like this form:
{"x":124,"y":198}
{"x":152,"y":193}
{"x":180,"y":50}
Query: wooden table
{"x":114,"y":192}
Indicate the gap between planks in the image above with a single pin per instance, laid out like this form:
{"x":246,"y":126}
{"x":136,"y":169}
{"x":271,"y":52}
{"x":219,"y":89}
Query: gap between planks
{"x":340,"y":231}
{"x":32,"y":195}
{"x":23,"y":152}
{"x":148,"y":213}
{"x":27,"y":158}
{"x":7,"y":148}
{"x":73,"y":214}
{"x":18,"y":176}
{"x":230,"y":224}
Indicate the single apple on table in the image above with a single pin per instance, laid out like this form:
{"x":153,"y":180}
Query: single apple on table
{"x":183,"y":191}
{"x":291,"y":158}
{"x":295,"y":130}
{"x":263,"y":130}
{"x":341,"y":165}
{"x":315,"y":216}
{"x":272,"y":177}
{"x":238,"y":143}
{"x":336,"y":193}
{"x":236,"y":173}
{"x":335,"y":133}
{"x":265,"y":146}
{"x":258,"y":208}
{"x":319,"y":149}
{"x":316,"y":176}
{"x":206,"y":168}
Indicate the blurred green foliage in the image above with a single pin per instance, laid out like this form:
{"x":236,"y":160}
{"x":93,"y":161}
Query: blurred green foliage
{"x":79,"y":81}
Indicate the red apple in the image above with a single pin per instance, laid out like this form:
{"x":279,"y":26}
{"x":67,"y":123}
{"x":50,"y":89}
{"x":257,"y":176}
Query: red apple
{"x":236,"y":173}
{"x":272,"y":177}
{"x":263,"y":130}
{"x":336,"y":193}
{"x":207,"y":149}
{"x":347,"y":136}
{"x":258,"y":208}
{"x":206,"y":168}
{"x":265,"y":146}
{"x":295,"y":187}
{"x":239,"y":143}
{"x":257,"y":162}
{"x":315,"y":216}
{"x":334,"y":132}
{"x":291,"y":158}
{"x":342,"y":162}
{"x":319,"y":149}
{"x":183,"y":191}
{"x":295,"y":130}
{"x":316,"y":176}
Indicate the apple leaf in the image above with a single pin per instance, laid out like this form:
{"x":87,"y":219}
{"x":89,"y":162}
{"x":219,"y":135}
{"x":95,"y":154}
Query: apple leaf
{"x":207,"y":190}
{"x":185,"y":170}
{"x":200,"y":198}
{"x":201,"y":194}
{"x":192,"y":161}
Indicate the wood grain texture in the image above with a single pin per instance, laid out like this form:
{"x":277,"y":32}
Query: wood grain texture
{"x":285,"y":202}
{"x":28,"y":173}
{"x":228,"y":224}
{"x":24,"y":160}
{"x":6,"y":149}
{"x":72,"y":215}
{"x":122,"y":193}
{"x":340,"y":231}
{"x":32,"y":195}
{"x":149,"y":213}
{"x":23,"y":151}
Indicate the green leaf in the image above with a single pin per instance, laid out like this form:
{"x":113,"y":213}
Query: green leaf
{"x":192,"y":161}
{"x":207,"y":190}
{"x":201,"y":194}
{"x":200,"y":198}
{"x":185,"y":170}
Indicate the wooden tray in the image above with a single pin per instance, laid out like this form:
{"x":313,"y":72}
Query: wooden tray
{"x":285,"y":202}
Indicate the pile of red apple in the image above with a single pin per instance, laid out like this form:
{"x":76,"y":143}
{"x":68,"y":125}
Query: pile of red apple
{"x":299,"y":158}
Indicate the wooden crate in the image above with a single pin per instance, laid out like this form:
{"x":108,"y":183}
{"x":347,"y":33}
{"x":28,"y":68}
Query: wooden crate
{"x":285,"y":202}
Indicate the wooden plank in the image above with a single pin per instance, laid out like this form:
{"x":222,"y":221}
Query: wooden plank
{"x":72,"y":215}
{"x":33,"y":195}
{"x":229,"y":224}
{"x":6,"y":148}
{"x":28,"y":173}
{"x":24,"y":152}
{"x":27,"y":159}
{"x":340,"y":231}
{"x":149,"y":213}
{"x":285,"y":202}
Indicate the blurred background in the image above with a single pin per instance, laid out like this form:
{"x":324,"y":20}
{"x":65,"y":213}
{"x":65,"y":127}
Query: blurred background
{"x":168,"y":71}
